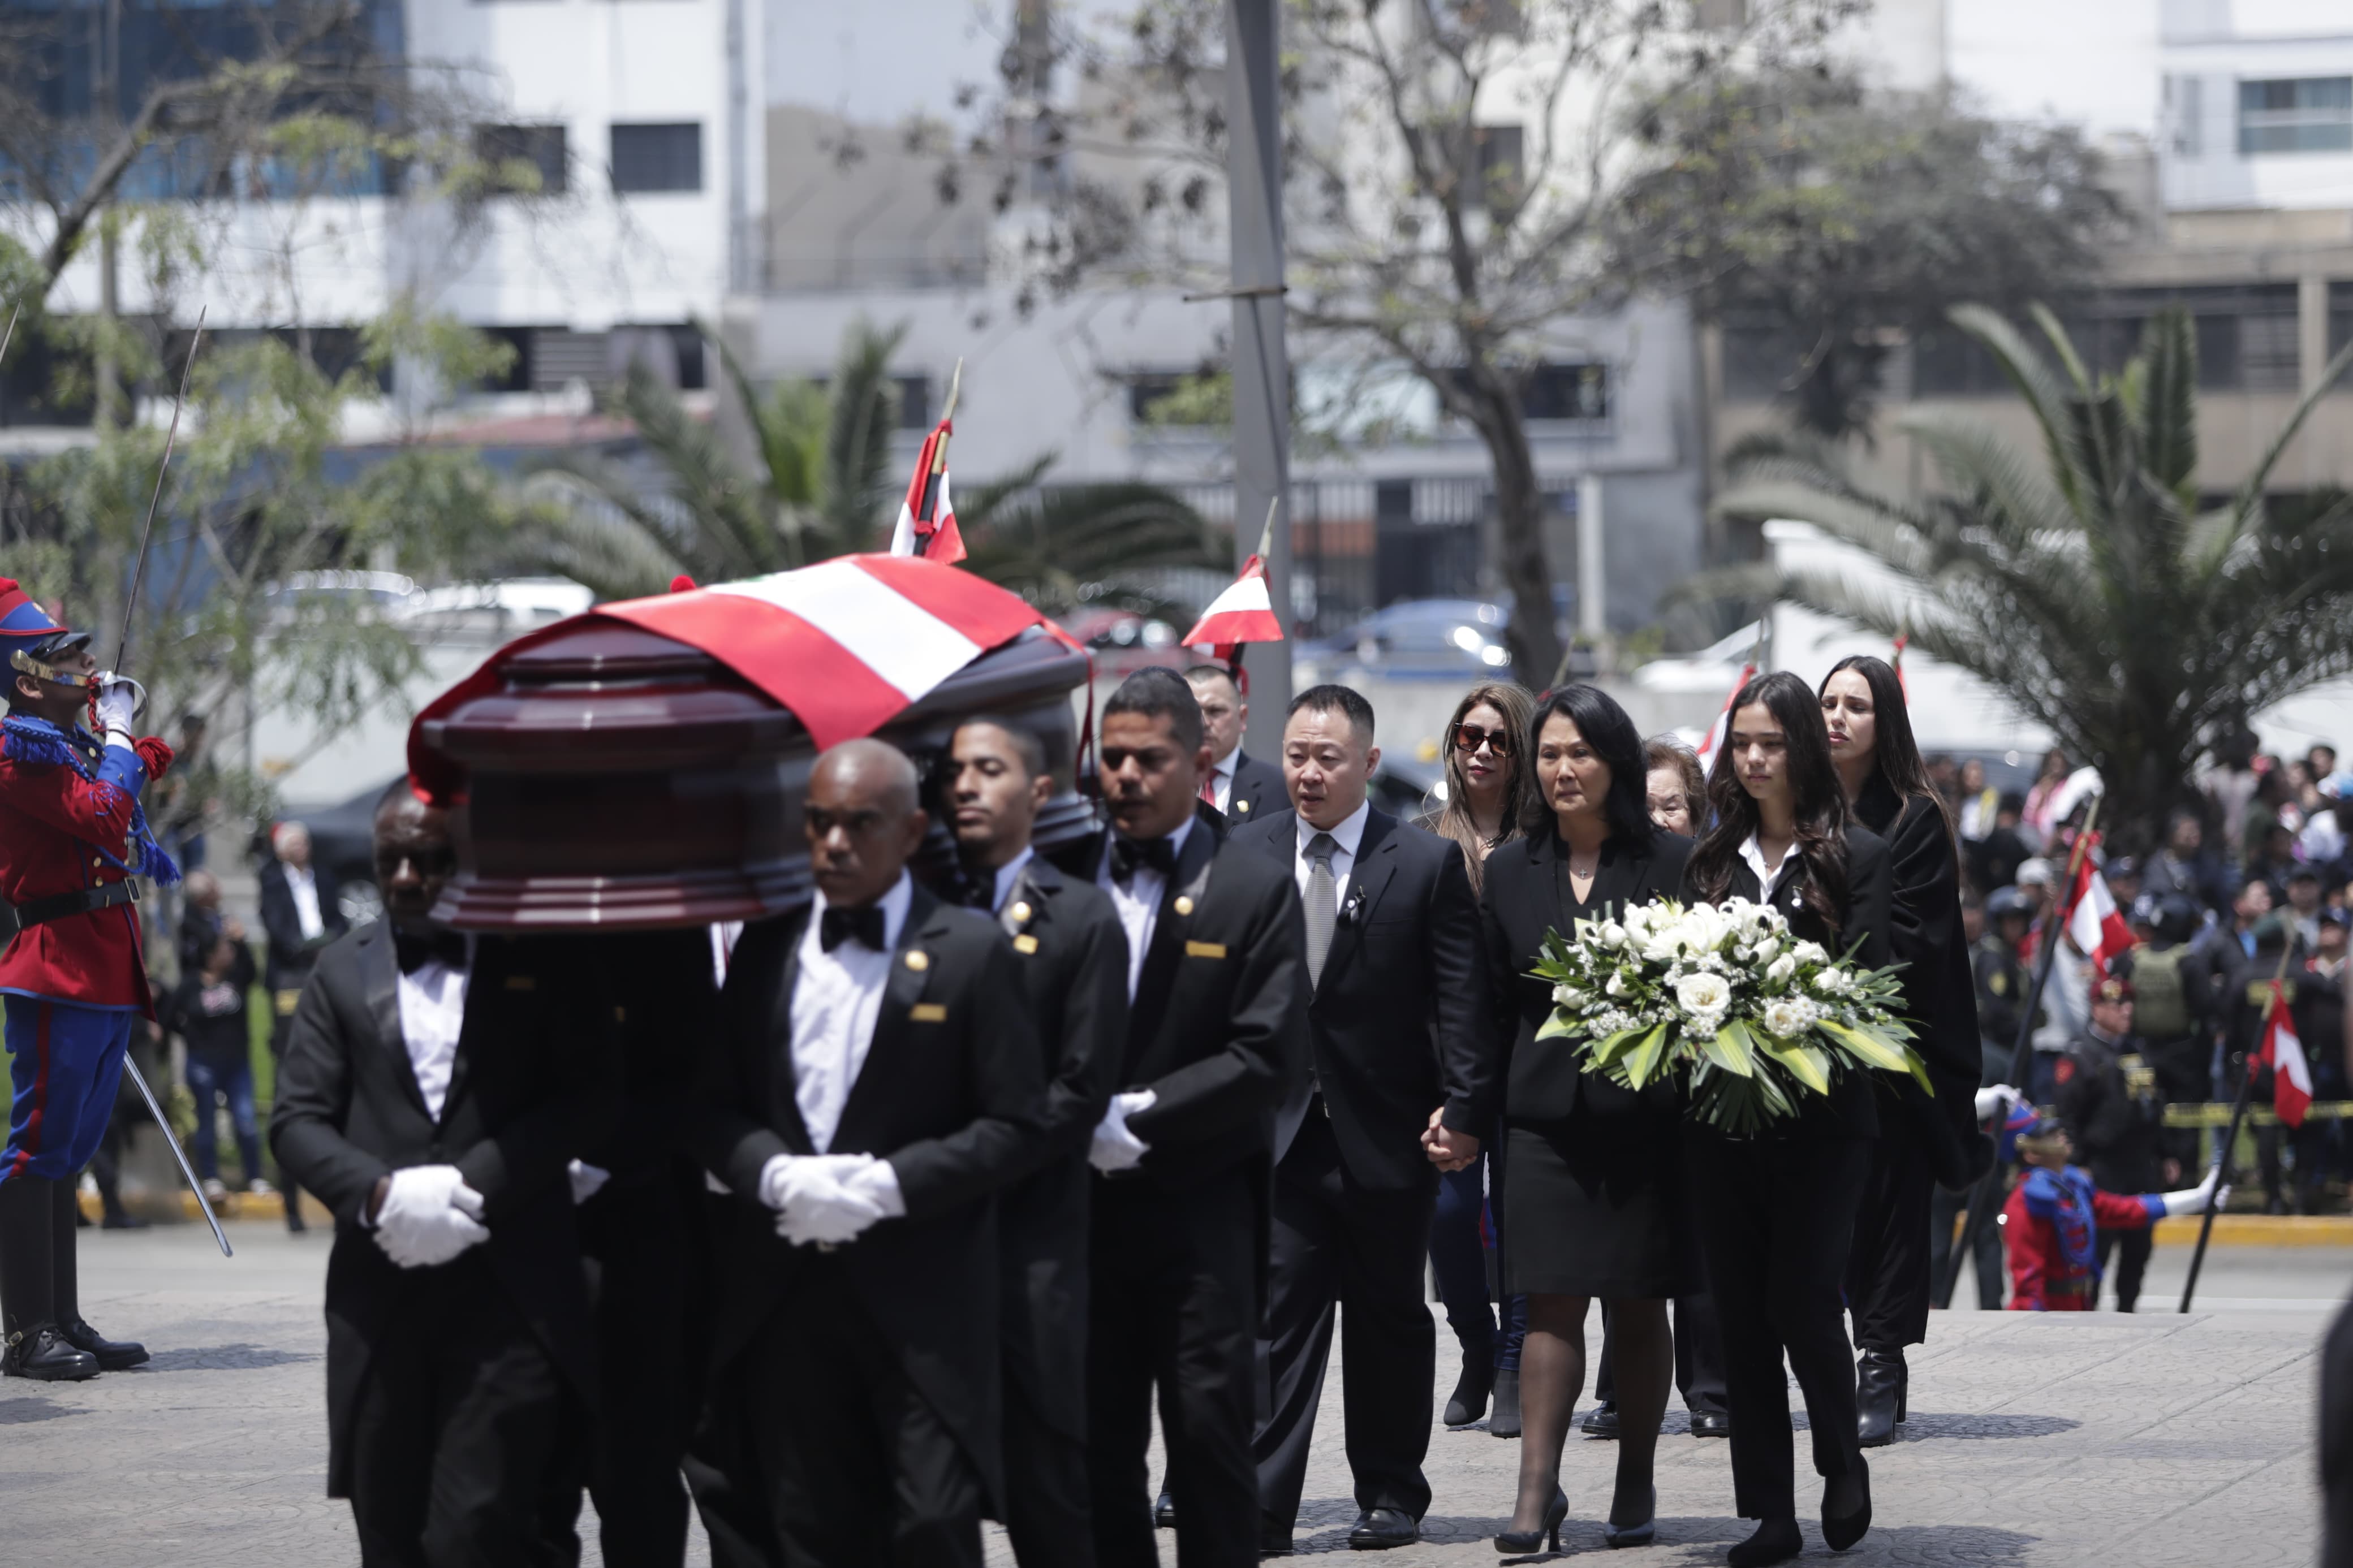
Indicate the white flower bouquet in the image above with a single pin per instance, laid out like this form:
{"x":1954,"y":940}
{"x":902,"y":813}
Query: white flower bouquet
{"x":1722,"y":1000}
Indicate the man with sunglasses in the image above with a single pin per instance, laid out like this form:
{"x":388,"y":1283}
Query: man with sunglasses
{"x":72,"y":840}
{"x":1239,"y":785}
{"x":1216,"y":1025}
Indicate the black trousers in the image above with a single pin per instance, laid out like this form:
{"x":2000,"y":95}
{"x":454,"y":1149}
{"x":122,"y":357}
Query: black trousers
{"x":466,"y":1445}
{"x":1699,"y":1357}
{"x":637,"y":1245}
{"x":1776,"y":1218}
{"x":2131,"y":1249}
{"x":1045,"y":1499}
{"x":1336,"y":1244}
{"x":1887,"y":1278}
{"x":856,"y":1466}
{"x":1174,"y":1299}
{"x":1946,"y":1211}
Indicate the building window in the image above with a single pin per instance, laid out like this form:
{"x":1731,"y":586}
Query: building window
{"x":657,"y":158}
{"x":2310,"y":114}
{"x":1566,"y":391}
{"x":510,"y":150}
{"x":1497,"y":152}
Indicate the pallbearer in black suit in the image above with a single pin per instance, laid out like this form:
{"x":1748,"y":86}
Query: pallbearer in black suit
{"x":1397,"y":1029}
{"x":1216,"y":1018}
{"x":434,"y":1090}
{"x":1928,"y":1139}
{"x":1073,"y":956}
{"x":875,"y":1081}
{"x":1776,"y":1212}
{"x":1239,"y":785}
{"x":1593,"y":1191}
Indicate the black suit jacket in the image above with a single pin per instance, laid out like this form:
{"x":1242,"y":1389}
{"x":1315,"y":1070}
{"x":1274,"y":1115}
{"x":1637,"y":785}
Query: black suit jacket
{"x":1397,"y":1022}
{"x":1073,"y":955}
{"x":290,"y":957}
{"x":530,"y":1089}
{"x":1851,"y":1110}
{"x":949,"y":1094}
{"x":1258,"y":791}
{"x":1543,"y":1081}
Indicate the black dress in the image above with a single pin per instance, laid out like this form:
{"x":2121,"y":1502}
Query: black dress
{"x":1592,"y":1181}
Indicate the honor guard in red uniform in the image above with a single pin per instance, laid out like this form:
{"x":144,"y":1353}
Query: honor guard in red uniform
{"x":73,"y":837}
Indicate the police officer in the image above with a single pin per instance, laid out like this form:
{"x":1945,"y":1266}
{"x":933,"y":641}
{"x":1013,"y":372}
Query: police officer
{"x":2109,"y":1102}
{"x":73,"y":837}
{"x":1994,"y":930}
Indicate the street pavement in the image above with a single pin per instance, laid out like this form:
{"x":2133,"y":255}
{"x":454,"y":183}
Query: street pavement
{"x":2154,"y":1439}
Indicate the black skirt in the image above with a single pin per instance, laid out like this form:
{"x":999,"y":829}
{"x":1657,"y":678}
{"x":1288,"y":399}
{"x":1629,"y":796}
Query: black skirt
{"x":1595,"y":1205}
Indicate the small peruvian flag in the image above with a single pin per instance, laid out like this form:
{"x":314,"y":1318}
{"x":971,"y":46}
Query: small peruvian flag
{"x":1245,"y":612}
{"x":927,"y":524}
{"x":2093,"y":921}
{"x":1724,"y":721}
{"x":2283,"y":1054}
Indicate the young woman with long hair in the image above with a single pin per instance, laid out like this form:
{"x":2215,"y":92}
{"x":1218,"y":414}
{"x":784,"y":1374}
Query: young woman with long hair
{"x":1486,"y":795}
{"x":1775,"y":1213}
{"x":1932,"y":1139}
{"x":1592,"y":1191}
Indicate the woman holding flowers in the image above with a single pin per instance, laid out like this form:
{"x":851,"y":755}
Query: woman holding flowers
{"x":1929,"y":1139}
{"x":1774,"y":1209}
{"x":1592,"y":1191}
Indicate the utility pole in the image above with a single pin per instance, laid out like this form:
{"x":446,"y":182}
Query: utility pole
{"x":1261,"y":367}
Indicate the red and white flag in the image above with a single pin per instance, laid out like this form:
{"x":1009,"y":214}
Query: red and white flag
{"x":2283,"y":1054}
{"x":1243,"y":612}
{"x":927,"y":524}
{"x":1724,"y":719}
{"x":2093,"y":921}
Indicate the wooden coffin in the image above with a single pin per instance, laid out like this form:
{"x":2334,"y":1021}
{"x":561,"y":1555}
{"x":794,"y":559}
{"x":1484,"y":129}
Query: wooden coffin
{"x":619,"y":780}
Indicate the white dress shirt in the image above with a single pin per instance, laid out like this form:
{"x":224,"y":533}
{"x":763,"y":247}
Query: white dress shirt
{"x":835,"y":1001}
{"x":303,"y":883}
{"x":1009,"y":873}
{"x":1222,"y":780}
{"x":1348,"y":835}
{"x":1767,"y":882}
{"x":1139,"y":902}
{"x":432,"y":1016}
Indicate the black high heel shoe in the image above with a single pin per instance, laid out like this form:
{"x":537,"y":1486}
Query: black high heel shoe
{"x":1635,"y":1535}
{"x":1520,"y":1544}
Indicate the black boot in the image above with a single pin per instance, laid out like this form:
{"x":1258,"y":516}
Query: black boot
{"x":1505,"y":1421}
{"x":1878,"y":1390}
{"x":65,"y":1293}
{"x":1469,"y":1401}
{"x":33,"y":1348}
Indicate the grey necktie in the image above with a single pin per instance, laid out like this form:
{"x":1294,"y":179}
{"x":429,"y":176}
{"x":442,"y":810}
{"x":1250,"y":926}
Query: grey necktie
{"x":1323,"y":903}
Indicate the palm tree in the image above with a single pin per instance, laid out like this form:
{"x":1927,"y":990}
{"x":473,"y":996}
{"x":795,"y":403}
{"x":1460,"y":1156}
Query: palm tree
{"x":2094,"y":587}
{"x":826,"y":486}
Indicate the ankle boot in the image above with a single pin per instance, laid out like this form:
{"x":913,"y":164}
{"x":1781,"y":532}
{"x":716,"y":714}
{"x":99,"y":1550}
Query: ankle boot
{"x":65,"y":1292}
{"x":1469,"y":1401}
{"x":33,"y":1347}
{"x":1505,"y":1421}
{"x":1878,"y":1386}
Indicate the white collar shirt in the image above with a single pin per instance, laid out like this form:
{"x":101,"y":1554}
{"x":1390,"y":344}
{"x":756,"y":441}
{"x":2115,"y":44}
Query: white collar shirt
{"x":303,"y":883}
{"x":1767,"y":882}
{"x":1139,"y":902}
{"x":1222,"y":780}
{"x":432,"y":1018}
{"x":837,"y":999}
{"x":1008,"y":874}
{"x":1348,"y":835}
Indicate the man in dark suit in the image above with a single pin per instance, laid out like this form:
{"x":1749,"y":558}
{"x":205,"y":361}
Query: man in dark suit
{"x":1396,"y":1032}
{"x":1239,"y":785}
{"x":435,"y":1088}
{"x":301,"y":914}
{"x":1216,"y":1020}
{"x":1073,"y":956}
{"x":873,"y":1081}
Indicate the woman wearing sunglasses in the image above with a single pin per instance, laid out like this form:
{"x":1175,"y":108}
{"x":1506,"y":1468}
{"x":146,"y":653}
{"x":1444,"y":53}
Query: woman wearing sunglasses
{"x":1486,"y":793}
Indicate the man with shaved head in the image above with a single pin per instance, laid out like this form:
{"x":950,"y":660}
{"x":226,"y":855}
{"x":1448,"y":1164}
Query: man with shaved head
{"x":875,"y":1079}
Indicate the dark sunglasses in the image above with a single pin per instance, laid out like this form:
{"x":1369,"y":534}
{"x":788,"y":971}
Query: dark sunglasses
{"x":1468,"y":737}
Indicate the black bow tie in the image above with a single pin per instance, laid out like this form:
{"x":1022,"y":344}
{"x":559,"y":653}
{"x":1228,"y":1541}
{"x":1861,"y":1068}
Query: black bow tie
{"x":437,"y":944}
{"x":1128,"y":853}
{"x":839,"y":925}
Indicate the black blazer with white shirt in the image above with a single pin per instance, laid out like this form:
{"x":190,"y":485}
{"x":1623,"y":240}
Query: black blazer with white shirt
{"x":530,"y":1088}
{"x":1543,"y":1080}
{"x":1397,"y":1021}
{"x":948,"y":1093}
{"x":1257,"y":790}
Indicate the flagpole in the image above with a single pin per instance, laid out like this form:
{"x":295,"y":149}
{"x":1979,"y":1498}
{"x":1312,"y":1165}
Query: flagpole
{"x":2022,"y":1055}
{"x":2230,"y":1140}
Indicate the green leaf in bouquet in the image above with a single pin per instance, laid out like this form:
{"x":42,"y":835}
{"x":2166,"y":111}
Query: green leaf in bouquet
{"x":1917,"y":1066}
{"x":1643,"y":1059}
{"x":1807,"y":1064}
{"x":1873,"y":1048}
{"x":1606,"y":1051}
{"x":1556,"y":1025}
{"x":1731,"y":1049}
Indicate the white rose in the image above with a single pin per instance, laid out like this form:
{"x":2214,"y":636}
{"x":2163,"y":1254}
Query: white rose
{"x":1811,"y":952}
{"x":1562,"y":996}
{"x":1783,"y":1018}
{"x":1744,"y":952}
{"x":1780,"y":969}
{"x":1613,"y":934}
{"x":1831,"y":982}
{"x":1702,"y":994}
{"x":1617,"y":986}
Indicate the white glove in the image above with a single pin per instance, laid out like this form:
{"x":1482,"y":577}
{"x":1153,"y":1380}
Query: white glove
{"x":1996,"y":1101}
{"x":811,"y":1203}
{"x":116,"y":707}
{"x":878,"y":1184}
{"x":587,"y":1179}
{"x":2192,"y":1200}
{"x":1115,"y":1147}
{"x":429,"y":1216}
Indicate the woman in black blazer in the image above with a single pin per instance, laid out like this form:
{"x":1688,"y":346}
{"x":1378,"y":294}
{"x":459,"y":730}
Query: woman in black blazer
{"x":1926,"y":1141}
{"x":1776,"y":1212}
{"x":1592,"y":1187}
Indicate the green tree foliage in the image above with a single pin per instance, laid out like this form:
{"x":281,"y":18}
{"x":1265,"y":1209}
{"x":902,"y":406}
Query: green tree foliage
{"x":2089,"y":583}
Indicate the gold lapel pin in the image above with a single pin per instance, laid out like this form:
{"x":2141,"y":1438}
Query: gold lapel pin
{"x":1184,"y":903}
{"x":918,"y":960}
{"x":1019,"y":911}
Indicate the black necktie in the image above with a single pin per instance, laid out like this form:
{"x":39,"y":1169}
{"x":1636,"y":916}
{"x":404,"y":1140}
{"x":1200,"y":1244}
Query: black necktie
{"x":979,"y":890}
{"x":839,"y":925}
{"x":436,"y":945}
{"x":1128,"y":853}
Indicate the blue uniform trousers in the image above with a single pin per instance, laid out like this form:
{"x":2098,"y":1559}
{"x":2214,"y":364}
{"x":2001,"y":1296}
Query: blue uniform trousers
{"x":65,"y":1064}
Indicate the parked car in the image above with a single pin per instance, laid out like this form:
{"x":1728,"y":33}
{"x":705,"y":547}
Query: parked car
{"x":1447,"y":639}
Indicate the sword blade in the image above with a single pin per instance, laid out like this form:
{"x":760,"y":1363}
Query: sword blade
{"x":178,"y":1153}
{"x":139,"y":567}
